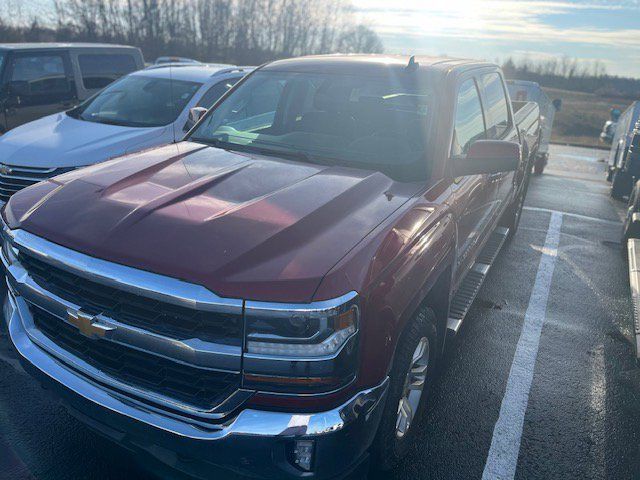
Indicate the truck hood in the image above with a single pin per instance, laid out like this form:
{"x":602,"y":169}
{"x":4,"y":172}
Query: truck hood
{"x":244,"y":226}
{"x":61,"y":141}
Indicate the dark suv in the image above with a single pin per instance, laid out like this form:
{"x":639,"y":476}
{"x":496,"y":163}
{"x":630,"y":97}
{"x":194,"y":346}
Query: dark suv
{"x":39,"y":79}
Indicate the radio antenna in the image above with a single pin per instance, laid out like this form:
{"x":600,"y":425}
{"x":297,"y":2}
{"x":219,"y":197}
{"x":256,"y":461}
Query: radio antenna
{"x":173,"y":124}
{"x":413,"y":65}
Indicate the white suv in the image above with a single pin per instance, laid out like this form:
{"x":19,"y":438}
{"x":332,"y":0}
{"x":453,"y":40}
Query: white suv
{"x":144,"y":109}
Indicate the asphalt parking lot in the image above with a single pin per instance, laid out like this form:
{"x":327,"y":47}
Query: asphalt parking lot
{"x":540,"y":383}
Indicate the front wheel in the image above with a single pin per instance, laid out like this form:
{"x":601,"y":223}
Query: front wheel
{"x":621,"y":184}
{"x":539,"y":163}
{"x":512,"y":216}
{"x":609,"y":174}
{"x":410,"y":378}
{"x":629,"y":228}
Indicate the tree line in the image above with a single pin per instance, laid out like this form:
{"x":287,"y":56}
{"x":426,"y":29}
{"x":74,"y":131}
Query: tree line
{"x":230,"y":31}
{"x":571,"y":74}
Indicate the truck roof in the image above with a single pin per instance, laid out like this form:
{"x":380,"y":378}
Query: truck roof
{"x":371,"y":64}
{"x":54,"y":45}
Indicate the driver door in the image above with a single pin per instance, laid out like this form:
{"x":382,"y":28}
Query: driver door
{"x":473,"y":193}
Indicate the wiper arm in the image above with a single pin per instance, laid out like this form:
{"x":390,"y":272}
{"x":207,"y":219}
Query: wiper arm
{"x":217,"y":143}
{"x":272,"y":152}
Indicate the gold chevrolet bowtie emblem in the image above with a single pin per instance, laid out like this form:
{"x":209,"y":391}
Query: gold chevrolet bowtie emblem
{"x":87,"y":324}
{"x":5,"y":170}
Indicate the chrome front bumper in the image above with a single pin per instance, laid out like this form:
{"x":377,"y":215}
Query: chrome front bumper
{"x":253,"y":443}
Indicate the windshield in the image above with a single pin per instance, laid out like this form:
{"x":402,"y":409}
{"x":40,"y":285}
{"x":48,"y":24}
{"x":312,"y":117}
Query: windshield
{"x":138,"y":101}
{"x":369,"y":122}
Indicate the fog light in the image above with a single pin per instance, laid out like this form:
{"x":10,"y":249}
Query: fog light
{"x":303,"y":454}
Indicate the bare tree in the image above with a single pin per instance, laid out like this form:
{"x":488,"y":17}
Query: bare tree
{"x":241,"y":31}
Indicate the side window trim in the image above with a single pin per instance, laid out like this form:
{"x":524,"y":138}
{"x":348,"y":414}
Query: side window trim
{"x":483,"y":99}
{"x":484,"y":113}
{"x":479,"y":92}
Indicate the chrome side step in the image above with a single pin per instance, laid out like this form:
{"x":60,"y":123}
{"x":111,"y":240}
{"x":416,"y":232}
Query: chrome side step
{"x":633,"y":247}
{"x":470,"y":286}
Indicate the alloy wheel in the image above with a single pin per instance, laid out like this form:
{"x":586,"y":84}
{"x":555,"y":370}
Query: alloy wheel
{"x":413,"y":388}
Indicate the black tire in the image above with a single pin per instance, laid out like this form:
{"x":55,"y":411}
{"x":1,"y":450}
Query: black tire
{"x":388,"y":447}
{"x":511,"y":218}
{"x":609,"y":174}
{"x":621,"y":184}
{"x":629,"y":230}
{"x":539,"y":162}
{"x":538,"y":168}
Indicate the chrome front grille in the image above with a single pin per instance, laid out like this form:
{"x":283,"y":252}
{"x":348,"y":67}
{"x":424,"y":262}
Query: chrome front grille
{"x":159,"y":317}
{"x":13,"y":178}
{"x":171,"y":344}
{"x":198,"y":387}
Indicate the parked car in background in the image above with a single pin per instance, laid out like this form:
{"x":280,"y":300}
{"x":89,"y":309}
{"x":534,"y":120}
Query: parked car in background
{"x":609,"y":129}
{"x":525,"y":91}
{"x":622,"y":168}
{"x":39,"y":79}
{"x":286,"y":277}
{"x":632,"y":218}
{"x":631,"y":244}
{"x":163,"y":60}
{"x":144,"y":109}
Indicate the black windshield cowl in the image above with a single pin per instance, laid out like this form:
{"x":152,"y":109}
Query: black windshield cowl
{"x":271,"y":152}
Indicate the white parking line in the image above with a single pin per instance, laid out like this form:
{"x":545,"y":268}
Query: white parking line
{"x":573,"y":215}
{"x":507,"y":434}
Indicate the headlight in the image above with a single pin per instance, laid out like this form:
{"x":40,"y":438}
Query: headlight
{"x":301,"y":347}
{"x":300,"y":333}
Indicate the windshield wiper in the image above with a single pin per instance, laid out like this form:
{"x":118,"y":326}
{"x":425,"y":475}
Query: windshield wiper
{"x":217,"y":143}
{"x":272,"y":152}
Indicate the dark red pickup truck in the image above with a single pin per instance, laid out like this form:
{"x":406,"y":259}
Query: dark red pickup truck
{"x":270,"y":297}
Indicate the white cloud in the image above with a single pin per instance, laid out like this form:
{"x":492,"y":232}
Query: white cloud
{"x":501,"y":22}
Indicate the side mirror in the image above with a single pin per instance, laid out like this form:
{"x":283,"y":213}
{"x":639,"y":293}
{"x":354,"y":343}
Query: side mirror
{"x":557,"y":104}
{"x":195,"y":114}
{"x":487,"y":157}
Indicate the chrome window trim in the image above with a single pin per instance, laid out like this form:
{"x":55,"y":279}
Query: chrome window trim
{"x":129,"y":279}
{"x":319,"y":306}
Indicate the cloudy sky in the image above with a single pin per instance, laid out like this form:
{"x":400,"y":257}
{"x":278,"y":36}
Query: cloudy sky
{"x":495,"y":29}
{"x":605,"y":30}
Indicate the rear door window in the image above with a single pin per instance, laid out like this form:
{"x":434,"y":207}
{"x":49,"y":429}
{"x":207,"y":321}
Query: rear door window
{"x":99,"y":70}
{"x":469,"y":122}
{"x":496,"y":109}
